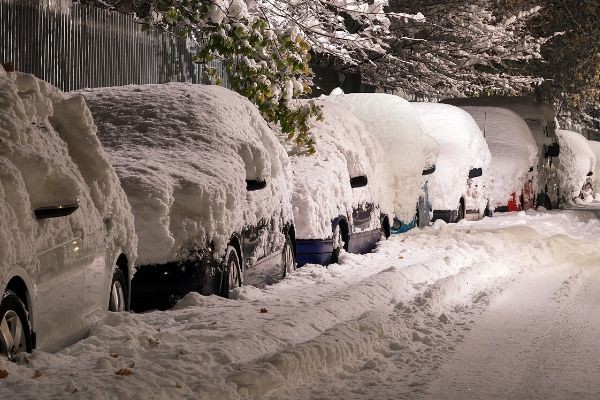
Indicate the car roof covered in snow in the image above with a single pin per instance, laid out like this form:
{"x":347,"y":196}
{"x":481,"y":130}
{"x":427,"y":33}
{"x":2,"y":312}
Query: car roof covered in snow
{"x":50,"y":156}
{"x":322,"y":191}
{"x":513,"y":148}
{"x":462,"y":147}
{"x":395,"y":123}
{"x":183,"y":153}
{"x":576,"y":160}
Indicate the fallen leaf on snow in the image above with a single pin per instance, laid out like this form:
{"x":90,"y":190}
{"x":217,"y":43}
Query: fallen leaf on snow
{"x":124,"y":372}
{"x":3,"y":374}
{"x":36,"y":374}
{"x":263,"y":310}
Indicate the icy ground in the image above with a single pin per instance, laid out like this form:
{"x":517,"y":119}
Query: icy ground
{"x":503,"y":308}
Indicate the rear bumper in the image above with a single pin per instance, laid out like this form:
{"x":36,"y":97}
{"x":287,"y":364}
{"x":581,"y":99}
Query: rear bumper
{"x":314,"y":251}
{"x":445,"y":215}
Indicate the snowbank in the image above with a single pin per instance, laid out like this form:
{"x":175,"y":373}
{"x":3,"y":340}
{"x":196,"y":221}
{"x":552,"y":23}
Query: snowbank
{"x":322,"y":189}
{"x":462,"y":147}
{"x":513,"y":149}
{"x":408,"y":150}
{"x":50,"y":155}
{"x":576,"y":160}
{"x":183,"y":153}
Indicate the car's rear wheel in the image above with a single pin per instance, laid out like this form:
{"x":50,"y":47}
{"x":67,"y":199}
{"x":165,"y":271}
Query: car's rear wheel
{"x":15,"y":331}
{"x":288,"y":259}
{"x":231,"y":274}
{"x":488,"y":211}
{"x":118,"y":292}
{"x":460,"y":215}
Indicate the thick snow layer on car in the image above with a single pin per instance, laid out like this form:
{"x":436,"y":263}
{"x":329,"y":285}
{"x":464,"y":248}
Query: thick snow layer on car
{"x":408,"y":149}
{"x":462,"y":147}
{"x":322,"y":188}
{"x":576,"y":160}
{"x":183,"y":153}
{"x":513,"y":149}
{"x":595,"y":146}
{"x":50,"y":156}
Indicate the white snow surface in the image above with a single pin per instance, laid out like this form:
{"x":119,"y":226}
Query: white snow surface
{"x":183,"y":153}
{"x":321,"y":182}
{"x":576,"y":159}
{"x":381,"y":325}
{"x":462,"y":147}
{"x":513,"y":149}
{"x":408,"y":149}
{"x":50,"y":155}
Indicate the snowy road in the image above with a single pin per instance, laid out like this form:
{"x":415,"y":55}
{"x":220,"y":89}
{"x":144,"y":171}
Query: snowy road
{"x":506,"y":307}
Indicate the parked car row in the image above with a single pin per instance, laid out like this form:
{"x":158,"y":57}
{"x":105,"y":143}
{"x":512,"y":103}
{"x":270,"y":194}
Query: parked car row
{"x":190,"y":184}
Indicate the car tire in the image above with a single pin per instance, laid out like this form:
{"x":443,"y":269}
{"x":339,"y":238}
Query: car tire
{"x":288,"y":257}
{"x":118,"y":292}
{"x":460,"y":215}
{"x":231,"y":272}
{"x":488,"y":211}
{"x":14,"y":322}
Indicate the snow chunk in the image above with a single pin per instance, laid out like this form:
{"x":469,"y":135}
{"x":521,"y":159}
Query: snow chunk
{"x":183,"y":153}
{"x":408,"y":149}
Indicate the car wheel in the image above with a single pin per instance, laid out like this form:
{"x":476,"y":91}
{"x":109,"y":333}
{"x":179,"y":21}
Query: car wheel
{"x":460,"y":215}
{"x":338,"y":244}
{"x":231,"y":274}
{"x":288,"y":259}
{"x":488,"y":211}
{"x":118,"y":292}
{"x":15,"y":331}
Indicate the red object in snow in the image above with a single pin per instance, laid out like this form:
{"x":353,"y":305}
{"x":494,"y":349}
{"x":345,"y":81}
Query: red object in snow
{"x":513,"y":204}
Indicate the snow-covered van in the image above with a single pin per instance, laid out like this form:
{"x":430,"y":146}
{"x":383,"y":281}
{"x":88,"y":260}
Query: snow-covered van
{"x":341,"y":198}
{"x":576,"y":168}
{"x":461,"y":186}
{"x":67,"y":240}
{"x":409,"y":152}
{"x":514,"y":157}
{"x":540,"y":120}
{"x":207,"y":180}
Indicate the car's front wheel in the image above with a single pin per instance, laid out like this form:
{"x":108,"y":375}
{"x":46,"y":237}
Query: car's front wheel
{"x":15,"y":331}
{"x":231,"y":274}
{"x":118,"y":292}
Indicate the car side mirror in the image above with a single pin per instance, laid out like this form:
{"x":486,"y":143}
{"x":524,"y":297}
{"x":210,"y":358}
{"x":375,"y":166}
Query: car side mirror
{"x":358,"y":181}
{"x":255,"y":184}
{"x":60,"y":210}
{"x":428,"y":171}
{"x":475,"y":172}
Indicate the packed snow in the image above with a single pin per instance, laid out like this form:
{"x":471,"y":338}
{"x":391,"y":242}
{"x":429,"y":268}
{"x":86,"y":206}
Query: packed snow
{"x":50,"y":156}
{"x":462,"y":147}
{"x":513,"y":149}
{"x":408,"y":149}
{"x":381,"y":325}
{"x":577,"y":160}
{"x":321,"y":182}
{"x":183,"y":153}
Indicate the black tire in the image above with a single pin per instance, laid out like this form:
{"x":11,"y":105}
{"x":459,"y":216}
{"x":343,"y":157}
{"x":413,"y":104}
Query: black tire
{"x":341,"y":230}
{"x":460,"y":215}
{"x":12,"y":315}
{"x":118,"y":292}
{"x":288,"y":257}
{"x":231,"y":277}
{"x":488,"y":211}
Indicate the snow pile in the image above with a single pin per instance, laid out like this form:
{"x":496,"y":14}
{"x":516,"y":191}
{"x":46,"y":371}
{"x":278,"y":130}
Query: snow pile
{"x":183,"y":153}
{"x":50,"y":156}
{"x":462,"y":147}
{"x":322,"y":188}
{"x":379,"y":324}
{"x":408,"y":150}
{"x":576,"y":160}
{"x":513,"y":148}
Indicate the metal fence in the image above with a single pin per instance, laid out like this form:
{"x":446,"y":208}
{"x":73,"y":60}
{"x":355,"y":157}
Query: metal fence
{"x":75,"y":46}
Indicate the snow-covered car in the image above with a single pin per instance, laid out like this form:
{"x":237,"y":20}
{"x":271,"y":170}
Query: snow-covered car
{"x":67,"y":240}
{"x":595,"y":146}
{"x":207,"y":180}
{"x":540,"y":120}
{"x":341,"y":198}
{"x":514,"y":157}
{"x":577,"y":163}
{"x":461,"y":186}
{"x":410,"y":153}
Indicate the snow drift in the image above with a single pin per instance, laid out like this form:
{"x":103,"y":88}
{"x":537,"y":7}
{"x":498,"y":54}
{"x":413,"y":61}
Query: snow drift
{"x":183,"y":153}
{"x":462,"y":147}
{"x":513,"y":149}
{"x":322,"y":188}
{"x":408,"y":149}
{"x":50,"y":155}
{"x":576,"y":160}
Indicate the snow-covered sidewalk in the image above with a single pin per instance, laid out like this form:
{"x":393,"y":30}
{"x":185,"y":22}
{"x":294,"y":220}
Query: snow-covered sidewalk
{"x":382,"y":325}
